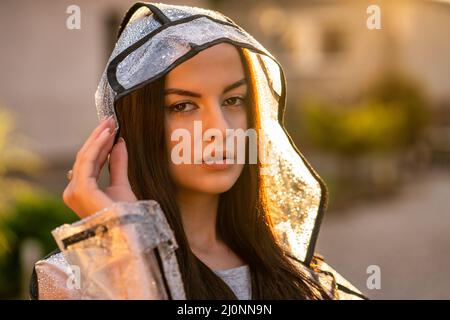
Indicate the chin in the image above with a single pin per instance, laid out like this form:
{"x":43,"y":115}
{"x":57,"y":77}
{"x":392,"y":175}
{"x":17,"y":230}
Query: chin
{"x":208,"y":181}
{"x":215,"y":185}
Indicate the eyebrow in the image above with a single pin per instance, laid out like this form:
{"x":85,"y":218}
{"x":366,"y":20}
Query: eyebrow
{"x":198,"y":95}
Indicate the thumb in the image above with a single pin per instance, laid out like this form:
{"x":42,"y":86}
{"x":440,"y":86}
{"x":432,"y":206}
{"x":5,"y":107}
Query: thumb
{"x":118,"y":164}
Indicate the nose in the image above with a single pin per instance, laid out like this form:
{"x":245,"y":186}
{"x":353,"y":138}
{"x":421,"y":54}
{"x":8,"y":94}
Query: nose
{"x":215,"y":121}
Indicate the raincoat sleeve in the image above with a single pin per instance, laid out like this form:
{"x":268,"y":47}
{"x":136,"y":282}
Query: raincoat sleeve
{"x":125,"y":251}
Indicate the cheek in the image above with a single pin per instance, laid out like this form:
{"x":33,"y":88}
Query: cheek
{"x":182,"y":132}
{"x":239,"y":120}
{"x":243,"y":120}
{"x":181,"y":174}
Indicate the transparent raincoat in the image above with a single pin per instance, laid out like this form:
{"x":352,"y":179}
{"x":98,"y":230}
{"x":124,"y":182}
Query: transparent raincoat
{"x":127,"y":251}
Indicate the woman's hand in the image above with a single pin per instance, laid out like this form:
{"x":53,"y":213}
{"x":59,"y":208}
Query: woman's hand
{"x":83,"y":194}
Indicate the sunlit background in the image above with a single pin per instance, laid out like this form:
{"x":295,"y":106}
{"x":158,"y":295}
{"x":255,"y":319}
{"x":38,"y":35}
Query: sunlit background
{"x":369,"y":108}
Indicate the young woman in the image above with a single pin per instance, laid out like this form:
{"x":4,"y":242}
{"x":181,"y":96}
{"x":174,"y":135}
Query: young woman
{"x":181,"y":84}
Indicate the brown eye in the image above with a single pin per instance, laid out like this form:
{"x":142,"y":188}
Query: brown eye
{"x":182,"y":107}
{"x":235,"y":101}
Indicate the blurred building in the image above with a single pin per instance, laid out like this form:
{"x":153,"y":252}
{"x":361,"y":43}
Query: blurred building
{"x":328,"y":52}
{"x":327,"y":48}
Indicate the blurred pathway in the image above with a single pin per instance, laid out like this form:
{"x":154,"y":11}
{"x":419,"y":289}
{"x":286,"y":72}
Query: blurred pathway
{"x":407,"y":236}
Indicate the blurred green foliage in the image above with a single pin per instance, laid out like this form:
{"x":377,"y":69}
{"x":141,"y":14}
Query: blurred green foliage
{"x":390,"y":116}
{"x":14,"y":159}
{"x":33,"y":216}
{"x":26,"y":211}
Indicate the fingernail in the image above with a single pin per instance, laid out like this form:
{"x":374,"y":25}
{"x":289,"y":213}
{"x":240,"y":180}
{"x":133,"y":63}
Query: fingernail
{"x":107,"y":119}
{"x":122,"y":139}
{"x":105,"y":132}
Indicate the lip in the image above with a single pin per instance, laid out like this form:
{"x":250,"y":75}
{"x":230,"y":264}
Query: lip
{"x":217,"y":166}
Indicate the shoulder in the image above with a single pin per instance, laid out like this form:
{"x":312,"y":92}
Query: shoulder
{"x":345,"y":290}
{"x":52,"y":279}
{"x":335,"y":284}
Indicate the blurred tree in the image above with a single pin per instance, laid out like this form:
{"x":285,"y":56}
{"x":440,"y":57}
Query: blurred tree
{"x":33,"y":216}
{"x":391,"y":116}
{"x":26,"y":211}
{"x":14,"y":160}
{"x":367,"y":140}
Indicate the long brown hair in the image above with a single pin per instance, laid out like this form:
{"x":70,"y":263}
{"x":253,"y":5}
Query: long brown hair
{"x":243,"y":221}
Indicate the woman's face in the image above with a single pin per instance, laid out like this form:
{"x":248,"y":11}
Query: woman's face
{"x":208,"y":91}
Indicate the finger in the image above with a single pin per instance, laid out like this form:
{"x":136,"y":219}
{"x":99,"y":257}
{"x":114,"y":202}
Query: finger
{"x":103,"y":155}
{"x":118,"y":164}
{"x":87,"y":166}
{"x":107,"y":122}
{"x":94,"y":135}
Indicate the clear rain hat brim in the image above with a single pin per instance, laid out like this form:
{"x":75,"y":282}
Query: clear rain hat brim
{"x":155,"y":38}
{"x":161,"y":50}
